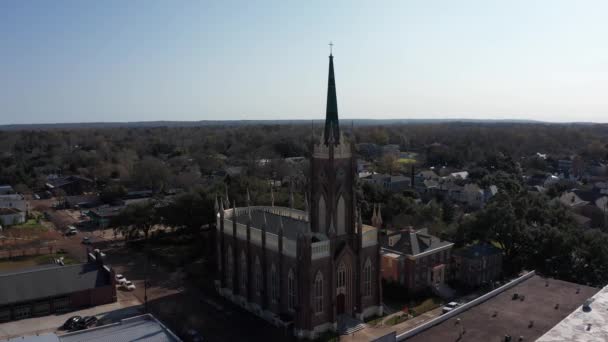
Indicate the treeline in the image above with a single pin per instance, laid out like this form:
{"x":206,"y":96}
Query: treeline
{"x":185,"y":153}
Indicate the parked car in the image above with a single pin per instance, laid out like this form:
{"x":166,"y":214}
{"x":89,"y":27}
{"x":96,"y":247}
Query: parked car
{"x":449,"y":307}
{"x":86,"y":240}
{"x":128,"y":285}
{"x":71,"y":322}
{"x":88,"y":321}
{"x":71,"y":231}
{"x":120,"y":279}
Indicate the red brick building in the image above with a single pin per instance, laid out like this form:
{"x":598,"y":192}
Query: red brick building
{"x":310,"y":269}
{"x":50,"y":289}
{"x":415,"y":259}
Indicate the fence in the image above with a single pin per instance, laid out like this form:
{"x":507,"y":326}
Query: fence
{"x":32,"y":251}
{"x":464,"y":307}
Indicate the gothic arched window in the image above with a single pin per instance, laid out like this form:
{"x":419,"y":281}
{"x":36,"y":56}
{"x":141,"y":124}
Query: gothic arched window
{"x":318,"y":293}
{"x":291,"y":290}
{"x":274,"y":284}
{"x":322,"y":213}
{"x":367,"y":278}
{"x":341,"y":216}
{"x":341,"y":275}
{"x":258,"y":277}
{"x":229,"y":267}
{"x":243,"y":272}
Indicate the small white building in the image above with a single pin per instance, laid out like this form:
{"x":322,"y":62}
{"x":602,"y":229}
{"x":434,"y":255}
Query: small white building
{"x":11,"y":216}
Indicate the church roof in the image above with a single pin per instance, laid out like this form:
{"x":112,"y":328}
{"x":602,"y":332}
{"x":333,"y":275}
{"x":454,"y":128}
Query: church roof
{"x":291,"y":226}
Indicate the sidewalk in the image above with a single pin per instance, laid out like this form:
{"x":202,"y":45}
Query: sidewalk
{"x":370,"y":333}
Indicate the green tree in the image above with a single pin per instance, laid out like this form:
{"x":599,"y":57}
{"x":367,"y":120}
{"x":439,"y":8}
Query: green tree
{"x":137,"y":219}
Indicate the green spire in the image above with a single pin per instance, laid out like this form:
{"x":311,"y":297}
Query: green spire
{"x":332,"y":126}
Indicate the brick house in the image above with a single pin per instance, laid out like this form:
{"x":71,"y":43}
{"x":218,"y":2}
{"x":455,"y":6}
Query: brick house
{"x":415,"y":259}
{"x":477,"y":264}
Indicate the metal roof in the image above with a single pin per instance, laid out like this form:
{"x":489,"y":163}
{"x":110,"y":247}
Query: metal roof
{"x":139,"y":328}
{"x":50,"y":281}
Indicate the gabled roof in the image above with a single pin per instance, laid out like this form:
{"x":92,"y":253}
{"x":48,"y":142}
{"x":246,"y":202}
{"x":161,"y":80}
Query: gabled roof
{"x":50,"y":281}
{"x":63,"y":181}
{"x":571,"y":199}
{"x":9,"y":211}
{"x":413,"y":242}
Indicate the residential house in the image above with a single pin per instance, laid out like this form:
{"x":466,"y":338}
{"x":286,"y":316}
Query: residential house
{"x":71,"y":185}
{"x":369,"y":150}
{"x":82,"y":201}
{"x":16,"y":201}
{"x":101,"y":217}
{"x":6,"y":190}
{"x":391,"y":150}
{"x":422,"y":176}
{"x":11,"y":216}
{"x":477,"y":264}
{"x":391,"y":183}
{"x":415,"y":259}
{"x":571,"y":199}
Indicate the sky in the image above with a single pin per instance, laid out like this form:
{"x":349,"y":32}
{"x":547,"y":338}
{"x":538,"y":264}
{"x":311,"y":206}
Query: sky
{"x":92,"y":61}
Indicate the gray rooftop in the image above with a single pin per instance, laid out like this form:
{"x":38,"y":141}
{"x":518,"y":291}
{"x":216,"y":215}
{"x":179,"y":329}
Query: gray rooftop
{"x":139,"y":328}
{"x":291,"y":226}
{"x":413,"y":242}
{"x":50,"y":281}
{"x":35,"y":338}
{"x":583,"y":325}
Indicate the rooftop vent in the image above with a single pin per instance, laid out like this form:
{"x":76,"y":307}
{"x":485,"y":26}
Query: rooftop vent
{"x":507,"y":338}
{"x":521,"y":338}
{"x":531,"y":324}
{"x":587,"y":305}
{"x":556,"y":306}
{"x":588,"y":326}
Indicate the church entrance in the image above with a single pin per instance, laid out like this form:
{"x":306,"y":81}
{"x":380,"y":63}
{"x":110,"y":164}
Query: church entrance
{"x":340,"y":303}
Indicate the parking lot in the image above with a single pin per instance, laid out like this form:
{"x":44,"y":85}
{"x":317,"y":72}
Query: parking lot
{"x":126,"y":306}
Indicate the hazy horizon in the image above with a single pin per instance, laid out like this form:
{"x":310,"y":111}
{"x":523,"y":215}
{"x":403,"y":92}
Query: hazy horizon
{"x":77,"y":62}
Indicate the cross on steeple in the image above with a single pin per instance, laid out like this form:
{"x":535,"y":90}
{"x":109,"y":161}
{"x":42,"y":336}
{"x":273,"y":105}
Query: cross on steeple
{"x":331,"y":45}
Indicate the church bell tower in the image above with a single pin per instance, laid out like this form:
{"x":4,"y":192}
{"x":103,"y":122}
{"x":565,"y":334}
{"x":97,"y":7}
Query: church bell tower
{"x":332,"y":174}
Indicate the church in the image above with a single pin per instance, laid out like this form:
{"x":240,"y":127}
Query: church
{"x":307,"y":270}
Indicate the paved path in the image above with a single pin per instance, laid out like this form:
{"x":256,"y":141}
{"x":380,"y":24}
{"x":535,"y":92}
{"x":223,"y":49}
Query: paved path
{"x":371,"y":333}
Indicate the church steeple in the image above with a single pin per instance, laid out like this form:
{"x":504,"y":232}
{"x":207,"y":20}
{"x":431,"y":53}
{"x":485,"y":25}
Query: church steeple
{"x":332,"y":126}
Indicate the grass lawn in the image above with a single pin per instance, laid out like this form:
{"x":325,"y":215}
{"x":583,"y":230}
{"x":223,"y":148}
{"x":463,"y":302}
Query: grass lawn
{"x":426,"y":305}
{"x":31,"y":224}
{"x":396,"y":319}
{"x":17,"y":263}
{"x":406,"y":161}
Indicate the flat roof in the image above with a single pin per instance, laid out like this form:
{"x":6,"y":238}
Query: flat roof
{"x":139,"y":328}
{"x":35,"y":338}
{"x":584,"y":325}
{"x":513,"y":316}
{"x":49,"y":281}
